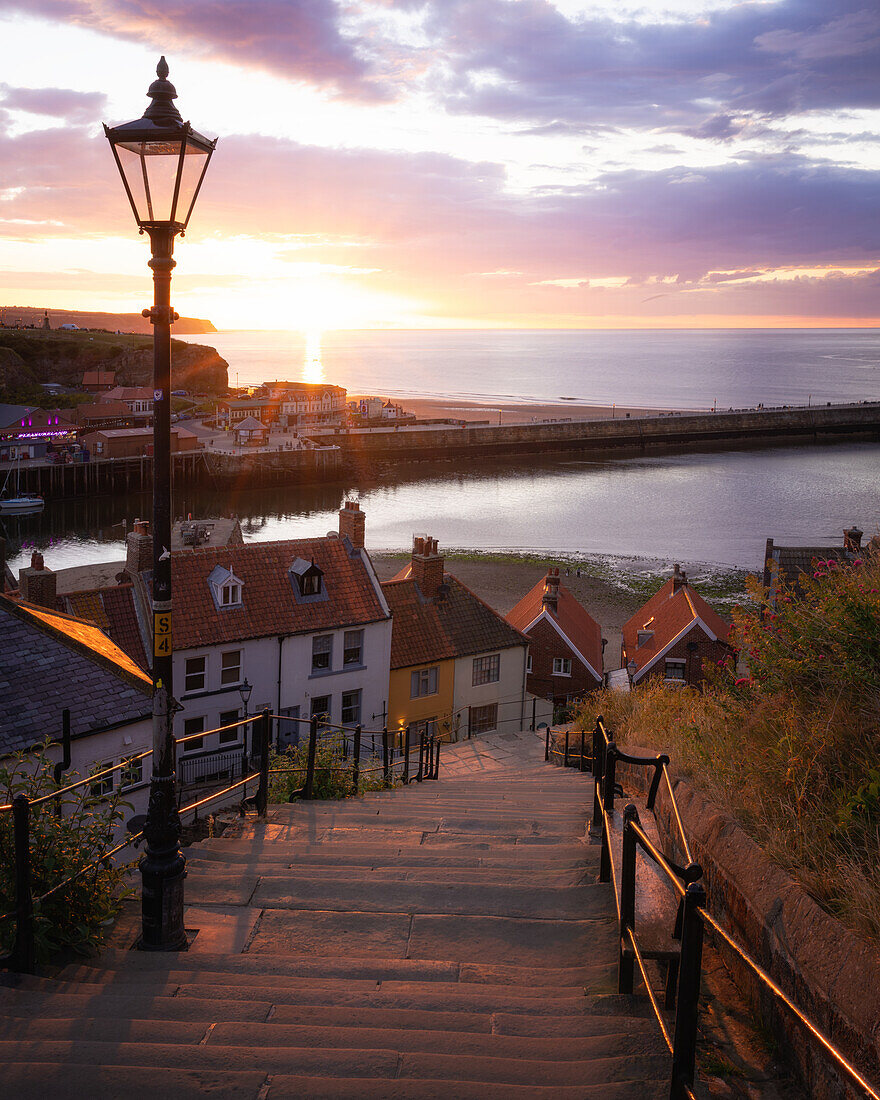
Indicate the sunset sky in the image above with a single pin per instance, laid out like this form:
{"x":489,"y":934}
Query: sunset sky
{"x":458,"y":163}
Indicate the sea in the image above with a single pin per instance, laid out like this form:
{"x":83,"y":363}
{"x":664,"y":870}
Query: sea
{"x":715,"y":507}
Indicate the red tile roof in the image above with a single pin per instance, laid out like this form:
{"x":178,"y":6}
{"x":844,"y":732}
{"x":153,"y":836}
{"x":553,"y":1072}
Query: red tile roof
{"x":461,"y":624}
{"x":269,"y":606}
{"x":667,"y":614}
{"x":127,"y":393}
{"x":571,"y":617}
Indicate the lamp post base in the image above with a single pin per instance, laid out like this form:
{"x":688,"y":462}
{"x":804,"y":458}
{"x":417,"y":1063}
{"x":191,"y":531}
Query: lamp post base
{"x":162,"y":868}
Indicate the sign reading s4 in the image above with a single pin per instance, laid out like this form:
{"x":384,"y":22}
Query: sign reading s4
{"x":162,"y":634}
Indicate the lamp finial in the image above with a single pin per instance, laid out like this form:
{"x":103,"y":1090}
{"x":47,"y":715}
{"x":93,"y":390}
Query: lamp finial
{"x":162,"y":68}
{"x":162,"y":92}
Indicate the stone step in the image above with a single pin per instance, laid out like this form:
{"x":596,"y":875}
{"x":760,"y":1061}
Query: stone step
{"x":333,"y":1062}
{"x":283,"y":1086}
{"x":132,"y":963}
{"x":526,"y":857}
{"x":523,"y":878}
{"x":26,"y":1081}
{"x":333,"y":990}
{"x":300,"y":891}
{"x":604,"y":1043}
{"x":467,"y":939}
{"x":75,"y":1082}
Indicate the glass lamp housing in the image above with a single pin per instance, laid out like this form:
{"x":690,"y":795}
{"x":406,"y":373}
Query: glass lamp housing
{"x":161,"y":160}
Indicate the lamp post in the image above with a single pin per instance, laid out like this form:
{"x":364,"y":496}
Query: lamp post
{"x":162,"y":162}
{"x":632,"y":668}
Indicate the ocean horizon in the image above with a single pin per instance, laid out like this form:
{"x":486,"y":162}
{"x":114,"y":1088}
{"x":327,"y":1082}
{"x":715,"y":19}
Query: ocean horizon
{"x":653,"y":368}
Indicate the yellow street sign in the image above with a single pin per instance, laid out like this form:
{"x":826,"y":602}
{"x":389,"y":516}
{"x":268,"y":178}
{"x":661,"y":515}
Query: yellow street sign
{"x":162,"y":634}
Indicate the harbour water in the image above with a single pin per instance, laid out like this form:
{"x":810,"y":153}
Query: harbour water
{"x":715,"y":507}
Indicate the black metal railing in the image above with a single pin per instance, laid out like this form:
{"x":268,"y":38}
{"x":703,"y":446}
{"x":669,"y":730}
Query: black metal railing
{"x":396,"y":750}
{"x":692,"y":918}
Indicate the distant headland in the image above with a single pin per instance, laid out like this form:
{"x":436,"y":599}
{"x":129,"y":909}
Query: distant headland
{"x":34,"y":316}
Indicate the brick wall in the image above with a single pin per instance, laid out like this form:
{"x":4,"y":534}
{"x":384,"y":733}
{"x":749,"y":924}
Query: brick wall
{"x":706,"y":651}
{"x":547,"y":643}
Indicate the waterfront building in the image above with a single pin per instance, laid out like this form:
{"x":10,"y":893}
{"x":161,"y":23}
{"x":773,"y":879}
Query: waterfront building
{"x":139,"y":400}
{"x":26,"y":431}
{"x":565,"y":650}
{"x":289,"y":404}
{"x":673,"y":635}
{"x":134,"y":442}
{"x":98,"y":415}
{"x":458,"y":668}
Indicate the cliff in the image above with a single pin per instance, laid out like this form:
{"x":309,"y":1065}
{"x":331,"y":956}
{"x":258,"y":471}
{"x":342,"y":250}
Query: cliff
{"x":18,"y":316}
{"x":29,"y":357}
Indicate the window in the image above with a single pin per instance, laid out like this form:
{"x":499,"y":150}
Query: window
{"x":487,"y":670}
{"x":529,"y":663}
{"x":306,"y":578}
{"x":230,"y":594}
{"x":311,"y":584}
{"x":675,"y":669}
{"x":484,"y":719}
{"x":132,"y":773}
{"x":191,"y":726}
{"x":194,"y":678}
{"x":351,"y":708}
{"x":562,"y":666}
{"x":102,"y":787}
{"x":353,"y":647}
{"x":423,"y":682}
{"x":230,"y":667}
{"x":322,"y":653}
{"x":320,"y":706}
{"x":229,"y":737}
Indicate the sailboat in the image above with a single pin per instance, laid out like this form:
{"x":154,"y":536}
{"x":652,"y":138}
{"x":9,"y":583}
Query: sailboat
{"x":20,"y":503}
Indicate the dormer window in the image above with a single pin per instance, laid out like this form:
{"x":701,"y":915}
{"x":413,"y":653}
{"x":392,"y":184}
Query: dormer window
{"x":307,"y":579}
{"x":226,"y":588}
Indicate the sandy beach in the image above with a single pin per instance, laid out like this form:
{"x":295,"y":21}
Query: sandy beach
{"x":516,"y":413}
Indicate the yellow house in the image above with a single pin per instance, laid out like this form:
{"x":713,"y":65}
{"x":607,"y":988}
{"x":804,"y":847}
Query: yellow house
{"x":436,"y":622}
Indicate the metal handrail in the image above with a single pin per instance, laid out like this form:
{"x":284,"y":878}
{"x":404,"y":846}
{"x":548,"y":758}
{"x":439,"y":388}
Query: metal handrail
{"x":217,"y":794}
{"x":699,"y":912}
{"x":780,"y":994}
{"x":638,"y":957}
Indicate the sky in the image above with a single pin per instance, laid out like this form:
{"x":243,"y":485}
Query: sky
{"x":458,"y":163}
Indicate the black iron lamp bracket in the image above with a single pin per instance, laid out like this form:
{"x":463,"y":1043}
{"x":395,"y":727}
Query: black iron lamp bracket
{"x":161,"y":315}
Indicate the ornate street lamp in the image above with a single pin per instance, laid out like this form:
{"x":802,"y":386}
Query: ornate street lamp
{"x":162,"y":162}
{"x":632,"y":668}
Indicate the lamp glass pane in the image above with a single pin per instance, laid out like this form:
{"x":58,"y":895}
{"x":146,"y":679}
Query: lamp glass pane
{"x":194,"y":162}
{"x":151,"y":171}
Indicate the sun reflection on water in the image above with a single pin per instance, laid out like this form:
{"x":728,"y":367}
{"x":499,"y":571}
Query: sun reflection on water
{"x":313,"y":367}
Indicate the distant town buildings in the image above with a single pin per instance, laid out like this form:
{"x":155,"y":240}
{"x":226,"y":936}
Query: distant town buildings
{"x":287,"y":404}
{"x":26,"y":432}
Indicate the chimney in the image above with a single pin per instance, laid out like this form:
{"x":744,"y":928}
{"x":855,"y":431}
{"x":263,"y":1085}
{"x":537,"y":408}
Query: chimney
{"x":139,"y":548}
{"x":37,"y":584}
{"x":550,"y":599}
{"x":427,"y":566}
{"x":852,"y":540}
{"x":352,"y":522}
{"x":679,"y":578}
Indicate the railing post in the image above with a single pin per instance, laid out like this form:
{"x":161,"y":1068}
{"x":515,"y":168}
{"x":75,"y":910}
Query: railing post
{"x":356,"y":769}
{"x":23,"y":952}
{"x":385,"y":769}
{"x":547,"y":744}
{"x":598,"y":777}
{"x":627,"y":900}
{"x":565,"y":761}
{"x":436,"y":774}
{"x":684,"y":1047}
{"x":405,"y":776}
{"x":65,"y":747}
{"x":583,"y":739}
{"x":608,"y":803}
{"x":610,"y":778}
{"x":662,"y":761}
{"x":420,"y":775}
{"x":310,"y":764}
{"x":262,"y":799}
{"x":534,"y":714}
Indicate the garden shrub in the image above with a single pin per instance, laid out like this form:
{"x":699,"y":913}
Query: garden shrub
{"x":334,"y":773}
{"x":78,"y":915}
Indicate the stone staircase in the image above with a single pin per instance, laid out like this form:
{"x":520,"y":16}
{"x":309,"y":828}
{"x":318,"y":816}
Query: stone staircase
{"x":444,"y":940}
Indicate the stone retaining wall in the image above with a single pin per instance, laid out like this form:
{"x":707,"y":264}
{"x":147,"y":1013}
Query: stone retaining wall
{"x":828,"y":971}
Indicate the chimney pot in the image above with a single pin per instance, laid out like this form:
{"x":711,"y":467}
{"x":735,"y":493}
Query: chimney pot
{"x":427,"y":567}
{"x":352,"y":523}
{"x":38,"y":584}
{"x":852,"y":539}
